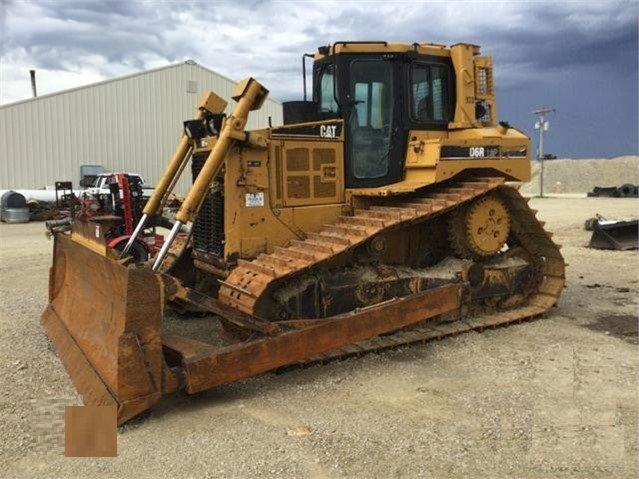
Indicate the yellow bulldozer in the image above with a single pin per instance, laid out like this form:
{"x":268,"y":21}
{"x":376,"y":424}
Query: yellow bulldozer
{"x":384,"y":211}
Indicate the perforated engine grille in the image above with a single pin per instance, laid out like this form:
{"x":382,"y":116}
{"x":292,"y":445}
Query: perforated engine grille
{"x":208,"y":229}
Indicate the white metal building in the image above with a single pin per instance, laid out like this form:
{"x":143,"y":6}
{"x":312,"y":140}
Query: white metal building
{"x":132,"y":123}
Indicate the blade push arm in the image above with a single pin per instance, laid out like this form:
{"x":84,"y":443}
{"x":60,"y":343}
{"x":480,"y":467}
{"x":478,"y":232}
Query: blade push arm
{"x":249,"y":95}
{"x":209,"y":103}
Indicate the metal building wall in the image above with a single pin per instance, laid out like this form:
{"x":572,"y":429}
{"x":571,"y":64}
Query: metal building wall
{"x":131,"y":123}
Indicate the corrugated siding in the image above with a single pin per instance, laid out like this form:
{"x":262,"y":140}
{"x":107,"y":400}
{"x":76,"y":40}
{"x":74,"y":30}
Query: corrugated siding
{"x":129,"y":124}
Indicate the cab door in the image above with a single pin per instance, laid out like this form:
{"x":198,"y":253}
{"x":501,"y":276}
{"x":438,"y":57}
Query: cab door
{"x":371,"y":111}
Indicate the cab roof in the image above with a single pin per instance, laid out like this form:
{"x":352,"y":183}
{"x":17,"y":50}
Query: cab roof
{"x":353,"y":47}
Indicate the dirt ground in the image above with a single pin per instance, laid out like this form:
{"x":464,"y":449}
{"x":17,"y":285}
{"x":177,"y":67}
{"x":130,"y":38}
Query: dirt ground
{"x":552,"y":398}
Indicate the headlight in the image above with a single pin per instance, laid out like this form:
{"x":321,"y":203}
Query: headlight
{"x":214,"y":123}
{"x":195,"y":129}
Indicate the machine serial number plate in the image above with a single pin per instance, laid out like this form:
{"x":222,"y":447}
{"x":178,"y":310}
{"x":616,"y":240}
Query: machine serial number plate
{"x":254,"y":200}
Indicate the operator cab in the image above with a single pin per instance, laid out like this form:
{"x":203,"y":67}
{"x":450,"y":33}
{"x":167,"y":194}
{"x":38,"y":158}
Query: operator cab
{"x":380,"y":93}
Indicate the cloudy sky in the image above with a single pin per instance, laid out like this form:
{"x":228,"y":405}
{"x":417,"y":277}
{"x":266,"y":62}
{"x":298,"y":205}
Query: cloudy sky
{"x":579,"y":57}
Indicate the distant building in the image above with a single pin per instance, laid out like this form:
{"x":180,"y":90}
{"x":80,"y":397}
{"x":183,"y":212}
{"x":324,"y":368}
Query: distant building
{"x":132,"y":123}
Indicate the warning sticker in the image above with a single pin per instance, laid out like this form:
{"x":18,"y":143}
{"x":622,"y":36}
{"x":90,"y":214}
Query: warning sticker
{"x":254,"y":200}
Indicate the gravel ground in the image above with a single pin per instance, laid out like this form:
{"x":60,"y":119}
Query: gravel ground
{"x":552,"y":398}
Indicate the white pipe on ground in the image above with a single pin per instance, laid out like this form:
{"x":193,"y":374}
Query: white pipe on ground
{"x":40,"y":195}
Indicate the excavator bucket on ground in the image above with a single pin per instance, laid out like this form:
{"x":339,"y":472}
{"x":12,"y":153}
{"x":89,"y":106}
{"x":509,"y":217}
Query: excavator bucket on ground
{"x":619,"y":235}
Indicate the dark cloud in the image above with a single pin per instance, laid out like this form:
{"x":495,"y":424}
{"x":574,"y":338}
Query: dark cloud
{"x":567,"y":45}
{"x":117,"y":31}
{"x":90,"y":11}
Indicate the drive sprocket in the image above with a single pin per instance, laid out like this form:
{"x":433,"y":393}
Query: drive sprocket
{"x":481,"y":229}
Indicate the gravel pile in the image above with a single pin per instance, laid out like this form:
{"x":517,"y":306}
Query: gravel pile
{"x":581,"y":176}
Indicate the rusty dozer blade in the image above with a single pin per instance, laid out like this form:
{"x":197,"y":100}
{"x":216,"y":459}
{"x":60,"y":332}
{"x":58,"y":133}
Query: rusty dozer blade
{"x":103,"y":319}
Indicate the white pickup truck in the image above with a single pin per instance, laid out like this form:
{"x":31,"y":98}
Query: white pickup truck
{"x":100,"y":185}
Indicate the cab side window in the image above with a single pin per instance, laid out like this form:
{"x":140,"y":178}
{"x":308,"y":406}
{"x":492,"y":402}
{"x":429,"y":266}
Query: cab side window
{"x":327,"y":90}
{"x":430,"y":99}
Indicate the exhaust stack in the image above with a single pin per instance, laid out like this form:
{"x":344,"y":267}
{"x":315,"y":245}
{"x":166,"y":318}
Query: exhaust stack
{"x":33,"y":83}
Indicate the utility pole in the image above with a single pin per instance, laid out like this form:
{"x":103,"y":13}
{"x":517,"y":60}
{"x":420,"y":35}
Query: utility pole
{"x":542,"y":125}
